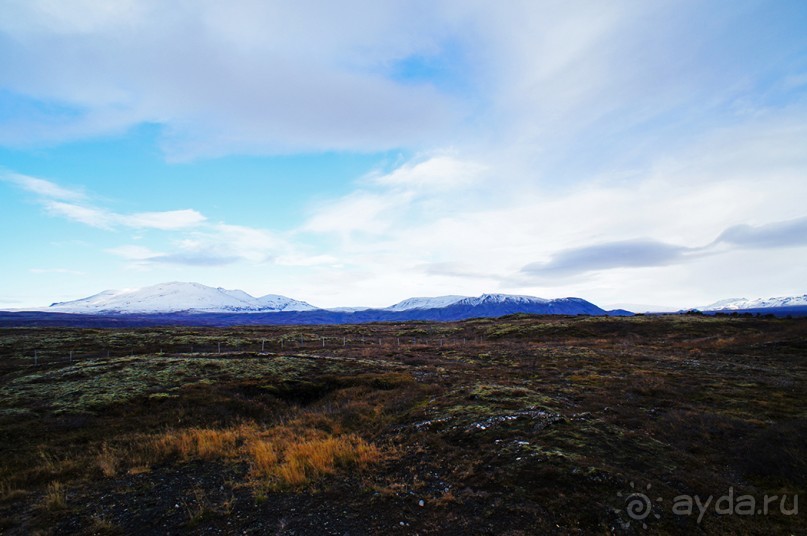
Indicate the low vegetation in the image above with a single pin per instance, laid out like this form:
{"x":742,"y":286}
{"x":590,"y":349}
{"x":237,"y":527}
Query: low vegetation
{"x":279,"y":457}
{"x":519,"y":425}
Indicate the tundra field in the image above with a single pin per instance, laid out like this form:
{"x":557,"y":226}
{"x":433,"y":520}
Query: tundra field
{"x":518,"y":425}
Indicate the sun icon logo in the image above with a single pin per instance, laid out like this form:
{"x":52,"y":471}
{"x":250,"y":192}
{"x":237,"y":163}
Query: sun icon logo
{"x":638,"y":504}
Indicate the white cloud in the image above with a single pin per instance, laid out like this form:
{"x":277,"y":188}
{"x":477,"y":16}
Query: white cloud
{"x":133,"y":252}
{"x":79,"y":17}
{"x":383,"y":200}
{"x":556,"y":127}
{"x":42,"y":187}
{"x":194,"y":240}
{"x":83,"y":214}
{"x":749,"y":175}
{"x":283,"y":78}
{"x":105,"y":219}
{"x":166,"y":220}
{"x":437,"y":173}
{"x":238,"y":241}
{"x":361,"y":211}
{"x":544,"y":79}
{"x":296,"y":259}
{"x":219,"y":244}
{"x":75,"y":205}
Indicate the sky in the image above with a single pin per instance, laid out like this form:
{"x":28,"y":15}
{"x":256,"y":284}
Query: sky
{"x":362,"y":152}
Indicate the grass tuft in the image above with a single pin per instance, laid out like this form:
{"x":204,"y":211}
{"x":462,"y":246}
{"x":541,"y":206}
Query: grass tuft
{"x":108,"y":460}
{"x":282,"y":456}
{"x":55,"y":496}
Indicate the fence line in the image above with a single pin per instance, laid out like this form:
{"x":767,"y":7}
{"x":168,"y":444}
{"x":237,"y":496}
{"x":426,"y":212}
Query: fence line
{"x":263,"y":346}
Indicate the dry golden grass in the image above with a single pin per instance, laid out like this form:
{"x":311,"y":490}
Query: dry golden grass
{"x":101,"y":525}
{"x":205,"y":443}
{"x":139,"y":470}
{"x":198,"y":507}
{"x":55,"y":497}
{"x":108,"y":460}
{"x":307,"y":460}
{"x":48,"y":463}
{"x":447,"y":497}
{"x":9,"y":492}
{"x":282,"y":456}
{"x":264,"y":457}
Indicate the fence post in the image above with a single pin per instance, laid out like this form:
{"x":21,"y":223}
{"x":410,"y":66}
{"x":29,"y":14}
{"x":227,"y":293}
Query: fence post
{"x":36,"y":358}
{"x":219,"y":348}
{"x":71,"y":356}
{"x":263,"y":345}
{"x":344,"y":341}
{"x":323,"y":342}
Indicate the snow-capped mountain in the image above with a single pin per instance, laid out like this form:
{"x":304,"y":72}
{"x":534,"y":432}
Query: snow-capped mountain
{"x":492,"y":304}
{"x":179,"y":297}
{"x":425,"y":303}
{"x":739,"y":304}
{"x":491,"y":299}
{"x":192,"y":304}
{"x":504,"y":304}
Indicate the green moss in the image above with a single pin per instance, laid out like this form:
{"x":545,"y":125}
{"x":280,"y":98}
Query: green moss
{"x":92,"y":385}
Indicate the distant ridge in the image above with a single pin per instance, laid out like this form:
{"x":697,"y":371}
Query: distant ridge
{"x":177,"y":297}
{"x":424,"y":303}
{"x":740,"y":304}
{"x":196,"y":304}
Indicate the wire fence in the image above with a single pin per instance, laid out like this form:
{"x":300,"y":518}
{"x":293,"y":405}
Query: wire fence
{"x":225,"y":348}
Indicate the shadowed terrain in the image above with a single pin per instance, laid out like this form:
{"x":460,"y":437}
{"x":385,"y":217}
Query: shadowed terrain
{"x":518,"y":425}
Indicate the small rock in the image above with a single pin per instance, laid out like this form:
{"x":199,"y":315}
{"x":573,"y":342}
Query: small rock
{"x":421,"y":503}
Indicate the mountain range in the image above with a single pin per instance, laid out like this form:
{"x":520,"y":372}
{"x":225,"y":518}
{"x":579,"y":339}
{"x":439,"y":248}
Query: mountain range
{"x":178,"y":297}
{"x":195,"y":304}
{"x":742,"y":304}
{"x":196,"y":299}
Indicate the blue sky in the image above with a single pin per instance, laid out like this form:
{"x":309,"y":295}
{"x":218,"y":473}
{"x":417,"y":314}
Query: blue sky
{"x":361,"y":153}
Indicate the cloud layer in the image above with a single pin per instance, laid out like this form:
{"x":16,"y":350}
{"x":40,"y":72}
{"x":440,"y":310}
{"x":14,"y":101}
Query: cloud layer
{"x":245,"y":76}
{"x":74,"y":205}
{"x":588,"y":148}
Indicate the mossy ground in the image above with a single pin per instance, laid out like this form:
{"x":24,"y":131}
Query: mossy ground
{"x":520,"y":425}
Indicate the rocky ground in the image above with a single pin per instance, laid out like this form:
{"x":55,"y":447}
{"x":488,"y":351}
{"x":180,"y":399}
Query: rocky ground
{"x":521,"y":425}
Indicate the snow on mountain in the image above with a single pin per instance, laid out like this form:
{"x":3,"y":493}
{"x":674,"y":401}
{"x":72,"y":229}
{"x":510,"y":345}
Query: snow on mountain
{"x":195,"y":298}
{"x":503,"y":304}
{"x":176,"y":297}
{"x":275,"y":302}
{"x":491,"y":305}
{"x":444,"y":301}
{"x":737,"y":304}
{"x":425,"y":303}
{"x":492,"y":299}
